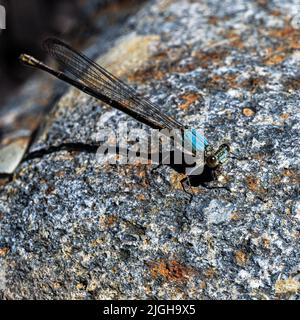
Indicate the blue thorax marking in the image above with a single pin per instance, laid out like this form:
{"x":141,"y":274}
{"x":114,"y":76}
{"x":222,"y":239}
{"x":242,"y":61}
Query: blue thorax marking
{"x":198,"y":141}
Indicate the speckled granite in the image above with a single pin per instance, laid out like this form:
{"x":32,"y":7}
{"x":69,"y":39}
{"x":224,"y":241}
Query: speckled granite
{"x":72,"y":228}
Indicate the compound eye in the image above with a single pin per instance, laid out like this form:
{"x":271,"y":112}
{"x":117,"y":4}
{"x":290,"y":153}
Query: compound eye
{"x":212,"y":162}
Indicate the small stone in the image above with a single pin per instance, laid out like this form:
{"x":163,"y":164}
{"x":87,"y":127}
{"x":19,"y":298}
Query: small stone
{"x":218,"y":212}
{"x":248,"y":112}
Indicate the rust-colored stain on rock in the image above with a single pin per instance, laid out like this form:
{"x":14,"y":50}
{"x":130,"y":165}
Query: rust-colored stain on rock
{"x":213,"y":20}
{"x":236,"y":40}
{"x":287,"y":40}
{"x":189,"y":99}
{"x":170,"y":270}
{"x":288,"y":35}
{"x":248,"y":112}
{"x":293,"y":175}
{"x":140,"y":197}
{"x":177,"y":179}
{"x":254,"y":185}
{"x":210,"y":273}
{"x":241,"y":258}
{"x":206,"y":59}
{"x":275,"y":58}
{"x":253,"y":83}
{"x":108,"y":221}
{"x":4,"y":251}
{"x":284,"y":116}
{"x":292,"y":83}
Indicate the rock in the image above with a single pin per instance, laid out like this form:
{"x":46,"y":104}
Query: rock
{"x":12,"y":154}
{"x":73,"y":228}
{"x":218,"y":212}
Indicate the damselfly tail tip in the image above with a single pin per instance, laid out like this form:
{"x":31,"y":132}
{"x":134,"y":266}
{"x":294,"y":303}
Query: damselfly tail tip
{"x":29,"y":60}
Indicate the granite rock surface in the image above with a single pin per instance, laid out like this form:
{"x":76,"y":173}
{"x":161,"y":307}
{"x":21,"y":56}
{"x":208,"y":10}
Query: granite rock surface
{"x":73,"y":228}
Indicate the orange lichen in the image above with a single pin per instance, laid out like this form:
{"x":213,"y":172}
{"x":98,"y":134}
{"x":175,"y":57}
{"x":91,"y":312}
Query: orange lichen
{"x":111,"y":220}
{"x":50,"y":190}
{"x":284,"y":116}
{"x":176,"y":179}
{"x":294,"y":175}
{"x":292,"y":83}
{"x":235,"y":216}
{"x":237,"y":43}
{"x":189,"y":98}
{"x":216,"y":82}
{"x":136,"y":169}
{"x":241,"y":258}
{"x":213,"y":20}
{"x":222,"y":83}
{"x":275,"y":58}
{"x":248,"y":112}
{"x":56,"y":285}
{"x":141,"y":170}
{"x":108,"y":221}
{"x":288,"y":34}
{"x":170,"y":270}
{"x":60,"y":174}
{"x":141,"y":197}
{"x":235,"y":38}
{"x":209,"y":58}
{"x":170,"y":61}
{"x":231,"y":79}
{"x":275,"y":13}
{"x":266,"y":243}
{"x":97,"y":242}
{"x":253,"y":83}
{"x":254,"y":184}
{"x":287,"y":39}
{"x":4,"y":251}
{"x":288,"y":172}
{"x":146,"y":74}
{"x":160,"y":64}
{"x":210,"y":273}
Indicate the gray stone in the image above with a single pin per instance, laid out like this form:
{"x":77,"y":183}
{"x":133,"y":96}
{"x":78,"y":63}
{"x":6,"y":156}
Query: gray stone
{"x":73,"y":228}
{"x":218,"y":212}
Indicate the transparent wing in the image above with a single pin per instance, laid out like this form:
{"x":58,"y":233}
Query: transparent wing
{"x":102,"y":83}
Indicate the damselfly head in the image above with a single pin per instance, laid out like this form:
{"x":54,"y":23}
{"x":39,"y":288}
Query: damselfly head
{"x":219,"y":157}
{"x":28,"y":60}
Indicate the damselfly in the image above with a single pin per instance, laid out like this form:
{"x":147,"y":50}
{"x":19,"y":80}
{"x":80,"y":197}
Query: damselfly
{"x":91,"y":78}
